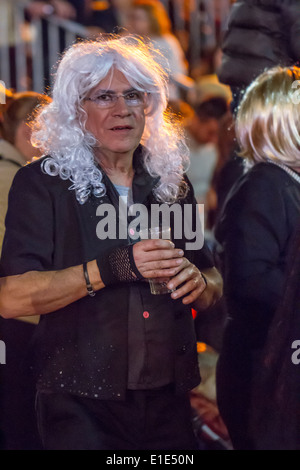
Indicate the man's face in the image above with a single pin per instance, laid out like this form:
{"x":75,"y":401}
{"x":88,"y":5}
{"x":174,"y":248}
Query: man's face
{"x":119,"y":128}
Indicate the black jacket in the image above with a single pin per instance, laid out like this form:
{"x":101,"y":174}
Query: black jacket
{"x":260,"y":35}
{"x":276,"y":402}
{"x":254,"y":230}
{"x":82,"y":348}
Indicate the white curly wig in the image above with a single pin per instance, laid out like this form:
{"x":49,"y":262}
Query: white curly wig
{"x":59,"y":130}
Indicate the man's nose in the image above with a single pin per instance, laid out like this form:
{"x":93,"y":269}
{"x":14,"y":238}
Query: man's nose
{"x":121,"y":107}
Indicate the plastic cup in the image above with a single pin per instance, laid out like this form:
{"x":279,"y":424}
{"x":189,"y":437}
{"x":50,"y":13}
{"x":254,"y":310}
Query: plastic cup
{"x":157,"y":286}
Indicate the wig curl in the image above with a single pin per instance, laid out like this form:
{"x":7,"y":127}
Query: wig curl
{"x":60,"y":127}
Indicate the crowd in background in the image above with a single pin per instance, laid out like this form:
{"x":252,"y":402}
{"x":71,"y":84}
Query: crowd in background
{"x":204,"y":95}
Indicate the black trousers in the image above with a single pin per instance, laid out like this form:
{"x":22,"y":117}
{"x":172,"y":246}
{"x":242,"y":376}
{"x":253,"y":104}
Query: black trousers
{"x":146,"y":420}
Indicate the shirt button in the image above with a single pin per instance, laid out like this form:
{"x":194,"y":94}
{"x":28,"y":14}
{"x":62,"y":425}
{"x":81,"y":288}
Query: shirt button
{"x":146,"y":314}
{"x":183,"y":349}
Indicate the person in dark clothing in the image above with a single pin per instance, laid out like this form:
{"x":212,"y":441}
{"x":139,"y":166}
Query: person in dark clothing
{"x":260,"y":34}
{"x":253,"y":232}
{"x":17,"y":390}
{"x":276,"y":395}
{"x":114,"y":363}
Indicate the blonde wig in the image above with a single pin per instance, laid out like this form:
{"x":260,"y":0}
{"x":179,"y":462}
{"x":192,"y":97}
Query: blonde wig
{"x":268,"y":118}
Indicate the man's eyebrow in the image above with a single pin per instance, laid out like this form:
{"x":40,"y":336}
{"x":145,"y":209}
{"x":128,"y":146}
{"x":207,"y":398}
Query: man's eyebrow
{"x":111,"y":92}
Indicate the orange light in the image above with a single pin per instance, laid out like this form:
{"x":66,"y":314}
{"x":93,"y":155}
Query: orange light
{"x":201,"y":347}
{"x":100,"y":5}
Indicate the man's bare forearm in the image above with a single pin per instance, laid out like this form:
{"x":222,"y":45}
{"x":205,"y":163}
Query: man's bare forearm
{"x":39,"y":292}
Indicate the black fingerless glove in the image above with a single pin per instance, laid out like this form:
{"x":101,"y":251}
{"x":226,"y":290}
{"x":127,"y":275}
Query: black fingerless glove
{"x":118,"y":265}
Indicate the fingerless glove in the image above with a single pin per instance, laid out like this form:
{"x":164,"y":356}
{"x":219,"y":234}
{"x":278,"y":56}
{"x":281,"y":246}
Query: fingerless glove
{"x":118,"y":265}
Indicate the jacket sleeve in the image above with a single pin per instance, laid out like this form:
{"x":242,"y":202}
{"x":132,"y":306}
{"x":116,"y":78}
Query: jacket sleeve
{"x":28,"y":241}
{"x":252,"y":233}
{"x":7,"y":173}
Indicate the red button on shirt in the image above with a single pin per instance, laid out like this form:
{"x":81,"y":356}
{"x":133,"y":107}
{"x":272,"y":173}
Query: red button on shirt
{"x":146,"y":314}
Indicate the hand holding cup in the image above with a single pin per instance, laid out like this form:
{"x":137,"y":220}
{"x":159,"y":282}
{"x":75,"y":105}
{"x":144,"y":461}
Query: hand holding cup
{"x":157,"y":259}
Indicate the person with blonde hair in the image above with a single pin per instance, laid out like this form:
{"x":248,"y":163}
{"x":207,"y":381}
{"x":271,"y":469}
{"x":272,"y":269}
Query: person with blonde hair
{"x":115,"y":363}
{"x":254,"y":230}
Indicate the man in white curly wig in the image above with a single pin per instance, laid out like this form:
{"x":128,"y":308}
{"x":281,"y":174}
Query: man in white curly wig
{"x":114,"y":362}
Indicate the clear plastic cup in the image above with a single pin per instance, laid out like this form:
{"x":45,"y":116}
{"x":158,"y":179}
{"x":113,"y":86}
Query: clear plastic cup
{"x":158,"y":286}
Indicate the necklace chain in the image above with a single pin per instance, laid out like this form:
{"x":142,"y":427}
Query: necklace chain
{"x":288,"y":170}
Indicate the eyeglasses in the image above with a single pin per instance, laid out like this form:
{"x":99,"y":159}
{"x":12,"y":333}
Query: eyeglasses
{"x":109,"y":99}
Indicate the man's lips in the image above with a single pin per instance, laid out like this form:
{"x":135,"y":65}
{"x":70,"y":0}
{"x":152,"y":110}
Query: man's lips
{"x":121,"y":128}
